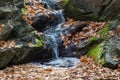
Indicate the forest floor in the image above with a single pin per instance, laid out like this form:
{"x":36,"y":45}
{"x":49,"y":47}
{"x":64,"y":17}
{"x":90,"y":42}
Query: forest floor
{"x":86,"y":69}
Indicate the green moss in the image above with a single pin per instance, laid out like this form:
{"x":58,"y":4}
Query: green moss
{"x":24,"y":2}
{"x":104,"y":32}
{"x":77,"y":13}
{"x":64,"y":2}
{"x":72,"y":12}
{"x":96,"y":52}
{"x":92,"y":39}
{"x":103,"y":61}
{"x":96,"y":49}
{"x":39,"y":42}
{"x":23,"y":11}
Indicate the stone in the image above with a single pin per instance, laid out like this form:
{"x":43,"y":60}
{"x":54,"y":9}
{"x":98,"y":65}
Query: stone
{"x":112,"y":52}
{"x":92,"y":9}
{"x":41,"y":20}
{"x":28,"y":43}
{"x":107,"y":51}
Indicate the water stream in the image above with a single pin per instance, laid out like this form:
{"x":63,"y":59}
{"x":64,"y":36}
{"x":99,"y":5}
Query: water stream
{"x":53,"y":40}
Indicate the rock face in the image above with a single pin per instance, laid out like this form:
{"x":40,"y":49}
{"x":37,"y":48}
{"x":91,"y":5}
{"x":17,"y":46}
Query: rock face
{"x":92,"y":9}
{"x":101,"y":48}
{"x":28,"y":45}
{"x":102,"y":43}
{"x":112,"y":52}
{"x":44,"y":19}
{"x":106,"y":52}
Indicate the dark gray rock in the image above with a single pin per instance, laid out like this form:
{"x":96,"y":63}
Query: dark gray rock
{"x":6,"y":31}
{"x":16,"y":29}
{"x":41,"y":20}
{"x":112,"y":52}
{"x":93,"y":9}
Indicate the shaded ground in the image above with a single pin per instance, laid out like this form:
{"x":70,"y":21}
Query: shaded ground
{"x":85,"y":70}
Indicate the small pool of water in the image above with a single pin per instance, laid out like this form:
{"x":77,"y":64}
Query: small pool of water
{"x":61,"y":62}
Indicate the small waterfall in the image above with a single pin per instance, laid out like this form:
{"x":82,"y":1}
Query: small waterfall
{"x":53,"y":39}
{"x":51,"y":42}
{"x":52,"y":35}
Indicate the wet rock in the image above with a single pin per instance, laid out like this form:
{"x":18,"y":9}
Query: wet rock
{"x":91,"y":9}
{"x":41,"y":20}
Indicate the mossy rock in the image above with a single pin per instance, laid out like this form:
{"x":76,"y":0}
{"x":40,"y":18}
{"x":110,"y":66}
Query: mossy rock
{"x":105,"y":52}
{"x":17,"y":30}
{"x":96,"y":52}
{"x":86,"y":45}
{"x":102,"y":51}
{"x":63,"y":3}
{"x":91,"y":9}
{"x":72,"y":12}
{"x":103,"y":34}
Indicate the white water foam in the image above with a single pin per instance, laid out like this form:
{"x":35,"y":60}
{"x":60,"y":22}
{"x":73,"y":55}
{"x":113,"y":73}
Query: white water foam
{"x":64,"y":62}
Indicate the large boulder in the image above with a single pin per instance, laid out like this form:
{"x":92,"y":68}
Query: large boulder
{"x":105,"y":48}
{"x":111,"y":52}
{"x":106,"y":52}
{"x":91,"y":9}
{"x":43,"y":19}
{"x":19,"y":42}
{"x":102,"y":44}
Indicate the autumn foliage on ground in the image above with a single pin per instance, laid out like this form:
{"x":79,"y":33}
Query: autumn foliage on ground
{"x":87,"y":69}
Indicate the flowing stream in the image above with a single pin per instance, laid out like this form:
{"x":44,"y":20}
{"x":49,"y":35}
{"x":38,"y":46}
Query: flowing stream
{"x":53,"y":40}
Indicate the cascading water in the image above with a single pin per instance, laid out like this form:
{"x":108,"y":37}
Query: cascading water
{"x":53,"y":40}
{"x":52,"y":35}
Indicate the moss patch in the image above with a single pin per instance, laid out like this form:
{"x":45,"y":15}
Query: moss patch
{"x":104,"y":32}
{"x":96,"y":49}
{"x":72,"y":12}
{"x":96,"y":52}
{"x":78,"y":13}
{"x":39,"y":42}
{"x":64,"y":2}
{"x":23,"y":11}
